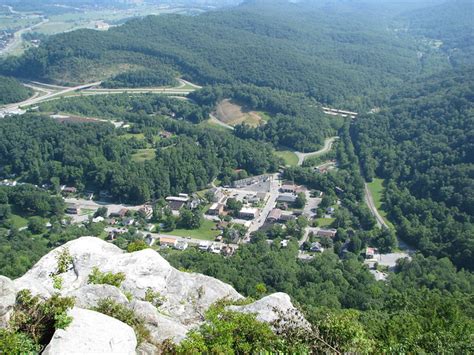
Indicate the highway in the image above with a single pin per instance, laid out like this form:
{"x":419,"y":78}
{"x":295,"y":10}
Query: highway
{"x":327,"y":147}
{"x":17,"y":38}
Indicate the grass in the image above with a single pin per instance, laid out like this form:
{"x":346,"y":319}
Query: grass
{"x":325,"y":222}
{"x":144,"y":154}
{"x":205,"y":232}
{"x":376,"y":189}
{"x":289,"y":157}
{"x":138,"y":136}
{"x":18,"y":221}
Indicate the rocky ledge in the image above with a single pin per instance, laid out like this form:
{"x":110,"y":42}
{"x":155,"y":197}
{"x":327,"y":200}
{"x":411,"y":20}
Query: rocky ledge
{"x":185,"y":297}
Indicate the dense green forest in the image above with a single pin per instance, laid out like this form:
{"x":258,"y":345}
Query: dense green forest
{"x":142,"y":78}
{"x":12,"y":91}
{"x":329,"y":53}
{"x":423,"y":145}
{"x":94,"y":155}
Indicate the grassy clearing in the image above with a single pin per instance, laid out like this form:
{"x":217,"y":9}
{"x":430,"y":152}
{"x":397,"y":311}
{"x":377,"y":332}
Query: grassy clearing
{"x":234,"y":114}
{"x":138,"y":136}
{"x":325,"y":222}
{"x":203,"y":233}
{"x":144,"y":154}
{"x":376,"y":189}
{"x":288,"y":156}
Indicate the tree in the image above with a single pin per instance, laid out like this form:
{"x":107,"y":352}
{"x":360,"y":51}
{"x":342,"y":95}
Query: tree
{"x":300,"y":201}
{"x":36,"y":225}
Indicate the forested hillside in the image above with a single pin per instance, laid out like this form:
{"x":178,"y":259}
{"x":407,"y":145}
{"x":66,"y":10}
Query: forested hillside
{"x":333,"y":54}
{"x":423,"y":144}
{"x":12,"y":91}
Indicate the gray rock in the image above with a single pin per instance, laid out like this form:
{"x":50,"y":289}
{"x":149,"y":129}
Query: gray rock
{"x":92,"y":333}
{"x":7,"y":299}
{"x":161,"y":326}
{"x":274,"y":307}
{"x":88,"y":296}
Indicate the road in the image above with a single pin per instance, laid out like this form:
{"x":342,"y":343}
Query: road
{"x":328,"y":143}
{"x":51,"y":92}
{"x":270,"y":205}
{"x":17,"y":38}
{"x":370,"y":202}
{"x":215,"y":120}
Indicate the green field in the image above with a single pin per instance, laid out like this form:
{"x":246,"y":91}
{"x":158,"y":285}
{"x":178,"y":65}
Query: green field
{"x":288,"y":156}
{"x":376,"y":188}
{"x":144,"y":154}
{"x":325,"y":222}
{"x":204,"y":233}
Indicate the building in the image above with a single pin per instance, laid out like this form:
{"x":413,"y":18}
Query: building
{"x":287,"y":216}
{"x":227,"y":250}
{"x":72,"y":209}
{"x":121,"y":213}
{"x":217,"y":194}
{"x":284,"y":243}
{"x":69,"y":190}
{"x":129,"y":222}
{"x":165,"y":134}
{"x":203,"y":246}
{"x":316,"y":247}
{"x":147,"y":211}
{"x":181,"y":245}
{"x":369,"y":253}
{"x":288,"y":188}
{"x":166,"y":241}
{"x":102,"y":26}
{"x":286,"y":198}
{"x":250,"y":181}
{"x":215,"y":248}
{"x":330,"y":210}
{"x":274,"y":215}
{"x":249,"y":213}
{"x":331,"y":233}
{"x":176,"y":202}
{"x":98,"y":219}
{"x":215,"y":209}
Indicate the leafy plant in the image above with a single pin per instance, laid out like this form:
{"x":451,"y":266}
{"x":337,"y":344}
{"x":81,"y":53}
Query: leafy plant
{"x":17,"y":343}
{"x":64,"y":259}
{"x":154,"y":297}
{"x":106,"y":278}
{"x":39,"y":319}
{"x":126,"y":315}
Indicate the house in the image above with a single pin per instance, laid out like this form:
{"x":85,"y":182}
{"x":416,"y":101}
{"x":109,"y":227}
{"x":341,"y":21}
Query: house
{"x":167,"y":241}
{"x":249,"y":213}
{"x":288,"y":188}
{"x":181,"y":245}
{"x":165,"y":134}
{"x":194,"y":203}
{"x":72,"y":209}
{"x":98,"y":219}
{"x":370,"y":253}
{"x":147,"y":211}
{"x":274,"y":215}
{"x":102,"y":26}
{"x":286,"y":198}
{"x":219,"y":238}
{"x":203,"y":246}
{"x":121,"y":213}
{"x":129,"y":222}
{"x":69,"y":190}
{"x":331,"y":233}
{"x":287,"y":216}
{"x":217,"y":194}
{"x":176,"y":202}
{"x":215,"y":209}
{"x":284,"y":243}
{"x":215,"y":248}
{"x":227,"y":250}
{"x":316,"y":247}
{"x":149,"y":240}
{"x":330,"y":210}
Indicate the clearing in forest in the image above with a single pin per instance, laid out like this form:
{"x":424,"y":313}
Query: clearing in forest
{"x":233,"y":114}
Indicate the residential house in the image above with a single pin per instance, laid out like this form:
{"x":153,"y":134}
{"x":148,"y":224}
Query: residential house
{"x":176,"y":202}
{"x":288,"y":188}
{"x":167,"y":241}
{"x":274,"y":215}
{"x":72,"y":209}
{"x":147,"y":211}
{"x":316,"y":247}
{"x":249,"y":213}
{"x":286,"y":198}
{"x":331,"y":233}
{"x":216,"y":209}
{"x":181,"y":245}
{"x":120,"y":214}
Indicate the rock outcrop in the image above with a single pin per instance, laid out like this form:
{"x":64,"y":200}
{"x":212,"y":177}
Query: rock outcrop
{"x":184,"y":297}
{"x":92,"y":333}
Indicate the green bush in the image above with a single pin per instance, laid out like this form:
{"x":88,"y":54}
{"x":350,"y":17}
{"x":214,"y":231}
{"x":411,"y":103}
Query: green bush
{"x":126,"y":315}
{"x":154,"y":297}
{"x":106,"y":278}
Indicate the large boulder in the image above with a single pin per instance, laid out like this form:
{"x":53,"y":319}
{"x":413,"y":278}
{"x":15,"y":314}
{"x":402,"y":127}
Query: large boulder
{"x":89,"y":296}
{"x":273,"y":308}
{"x":92,"y":333}
{"x":7,"y":299}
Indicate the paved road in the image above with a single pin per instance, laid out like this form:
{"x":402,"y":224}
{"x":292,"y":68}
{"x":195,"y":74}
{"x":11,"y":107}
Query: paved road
{"x":17,"y":38}
{"x":271,"y":203}
{"x":370,"y":202}
{"x":327,"y":147}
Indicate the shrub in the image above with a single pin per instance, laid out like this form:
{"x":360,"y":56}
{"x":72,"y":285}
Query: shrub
{"x":137,"y":245}
{"x":154,"y":297}
{"x":17,"y":343}
{"x":39,"y":319}
{"x":126,"y":315}
{"x":106,"y":278}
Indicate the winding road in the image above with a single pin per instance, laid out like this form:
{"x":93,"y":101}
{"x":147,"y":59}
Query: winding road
{"x":327,"y":147}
